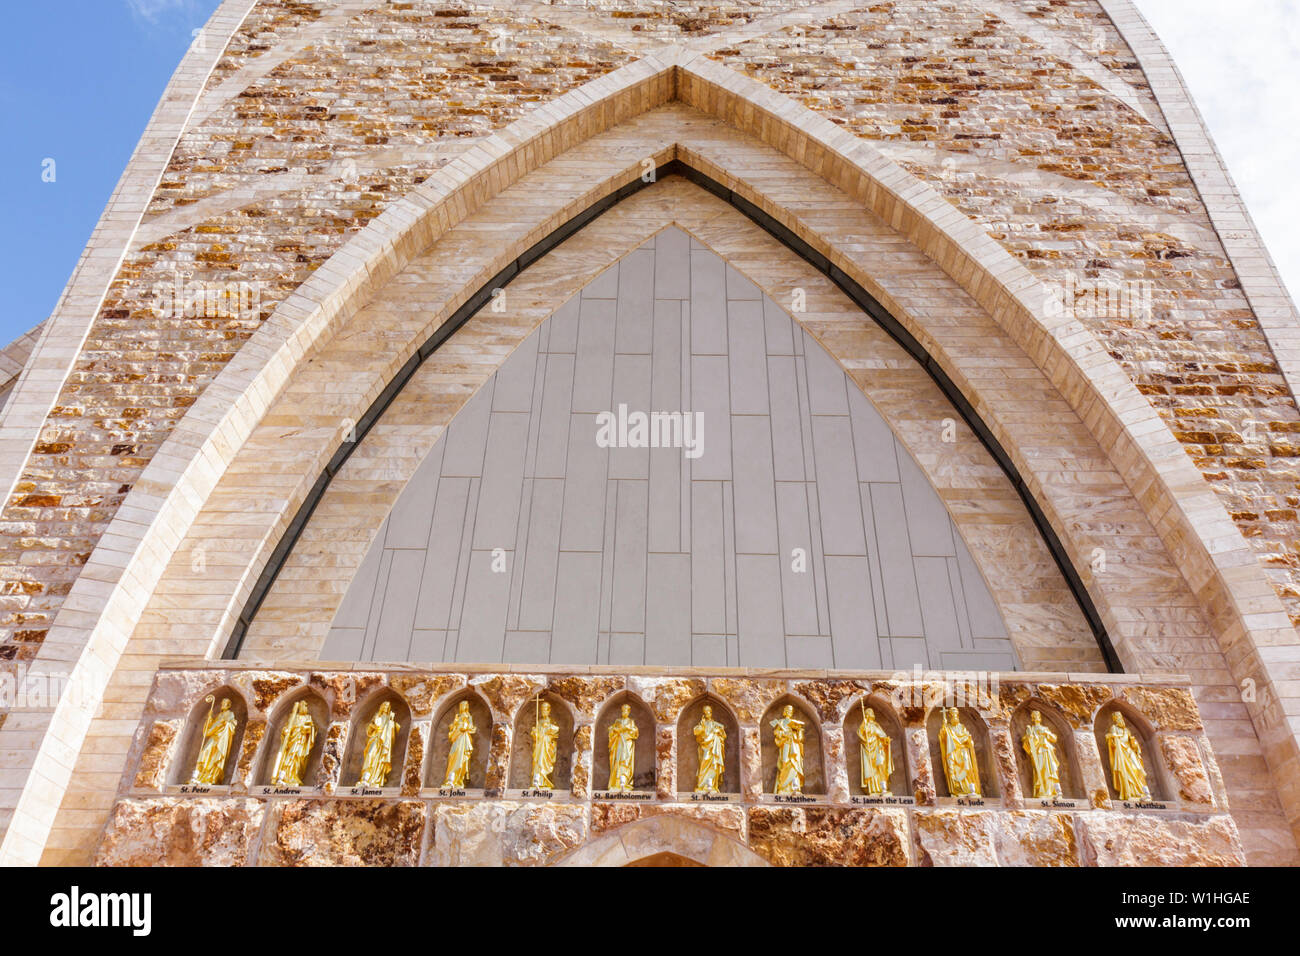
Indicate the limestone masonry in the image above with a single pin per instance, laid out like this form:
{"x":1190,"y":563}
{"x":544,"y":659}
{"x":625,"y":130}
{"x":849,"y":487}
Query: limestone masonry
{"x":1092,"y":365}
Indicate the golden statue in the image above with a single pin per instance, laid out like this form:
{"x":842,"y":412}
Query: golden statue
{"x":959,"y":764}
{"x":546,"y":735}
{"x":218,"y":735}
{"x":461,"y":735}
{"x":1040,"y":743}
{"x":378,"y":759}
{"x":711,"y":737}
{"x":1126,"y":761}
{"x":296,"y":740}
{"x":877,"y":756}
{"x":788,"y":734}
{"x":622,"y":751}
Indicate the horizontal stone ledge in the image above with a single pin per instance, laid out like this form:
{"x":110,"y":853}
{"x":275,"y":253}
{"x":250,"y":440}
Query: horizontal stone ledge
{"x":1059,"y":677}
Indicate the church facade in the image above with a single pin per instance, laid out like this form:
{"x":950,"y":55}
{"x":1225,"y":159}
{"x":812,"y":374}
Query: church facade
{"x":628,"y":433}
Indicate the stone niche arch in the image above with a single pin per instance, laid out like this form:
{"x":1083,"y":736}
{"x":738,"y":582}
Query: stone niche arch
{"x":362,"y":714}
{"x":192,"y":740}
{"x":664,"y":858}
{"x":979,"y":731}
{"x":521,"y":746}
{"x":643,"y":774}
{"x":887,"y":717}
{"x":319,"y":712}
{"x":1066,"y":749}
{"x":662,"y":840}
{"x":688,"y":754}
{"x":814,"y":774}
{"x":1146,"y":734}
{"x":440,"y":746}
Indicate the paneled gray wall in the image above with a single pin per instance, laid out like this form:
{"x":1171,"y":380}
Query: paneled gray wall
{"x":644,"y":556}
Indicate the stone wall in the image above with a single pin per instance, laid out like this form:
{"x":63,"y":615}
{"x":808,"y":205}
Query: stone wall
{"x":1035,"y":120}
{"x":1030,"y":117}
{"x":159,"y":818}
{"x":273,"y":174}
{"x":273,"y":204}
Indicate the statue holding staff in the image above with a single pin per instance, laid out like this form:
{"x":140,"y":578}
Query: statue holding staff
{"x":296,"y":741}
{"x":622,"y":751}
{"x":378,"y":759}
{"x":1127,"y":772}
{"x":787,"y":732}
{"x":461,"y":735}
{"x":960,"y":767}
{"x":710,"y":737}
{"x":546,"y":735}
{"x":218,"y":735}
{"x":877,"y":756}
{"x":1040,"y":744}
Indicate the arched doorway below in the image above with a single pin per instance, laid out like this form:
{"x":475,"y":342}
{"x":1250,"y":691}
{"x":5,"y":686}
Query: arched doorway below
{"x":664,"y":859}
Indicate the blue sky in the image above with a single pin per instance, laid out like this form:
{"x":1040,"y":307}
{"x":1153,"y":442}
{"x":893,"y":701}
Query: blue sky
{"x":79,"y":80}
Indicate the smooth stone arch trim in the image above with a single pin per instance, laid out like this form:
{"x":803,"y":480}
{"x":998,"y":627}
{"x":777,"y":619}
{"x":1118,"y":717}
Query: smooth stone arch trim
{"x":106,"y":602}
{"x":787,"y":237}
{"x":662,"y":834}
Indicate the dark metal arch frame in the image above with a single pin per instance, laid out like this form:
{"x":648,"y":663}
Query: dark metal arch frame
{"x":845,"y":283}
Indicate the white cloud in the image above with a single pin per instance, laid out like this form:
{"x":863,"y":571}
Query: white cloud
{"x":1238,"y":61}
{"x":153,"y":10}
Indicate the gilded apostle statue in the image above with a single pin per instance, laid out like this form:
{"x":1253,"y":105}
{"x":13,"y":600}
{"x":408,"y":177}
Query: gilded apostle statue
{"x":546,"y":735}
{"x":218,"y":735}
{"x":787,"y":732}
{"x":378,"y":758}
{"x":711,"y":738}
{"x":877,"y":757}
{"x":461,"y":735}
{"x":296,"y":740}
{"x":960,"y":767}
{"x":622,"y":751}
{"x":1040,"y":743}
{"x":1126,"y":768}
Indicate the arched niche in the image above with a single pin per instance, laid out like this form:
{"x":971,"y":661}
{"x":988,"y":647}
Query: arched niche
{"x":664,"y":859}
{"x":1066,"y":751}
{"x":688,"y":751}
{"x":319,"y":712}
{"x":643,"y":772}
{"x":521,"y":748}
{"x":1146,"y":735}
{"x":362,"y":715}
{"x":979,"y":732}
{"x":440,"y":746}
{"x":192,"y":740}
{"x":900,"y":779}
{"x":814,"y":777}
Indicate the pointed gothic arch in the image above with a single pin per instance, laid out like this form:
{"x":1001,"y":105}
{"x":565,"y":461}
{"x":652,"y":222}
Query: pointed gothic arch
{"x":1227,"y":581}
